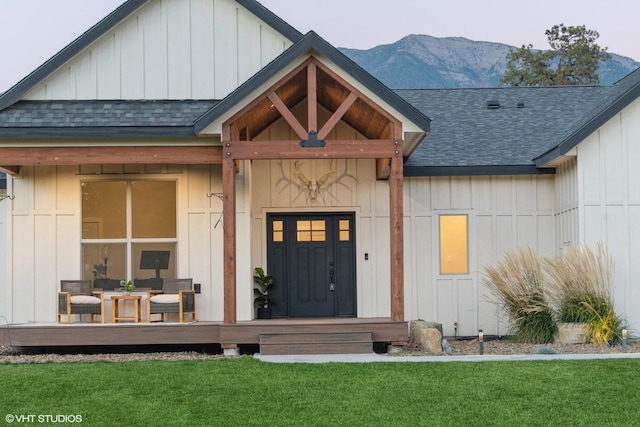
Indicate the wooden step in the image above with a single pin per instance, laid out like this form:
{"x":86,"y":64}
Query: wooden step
{"x":316,"y":343}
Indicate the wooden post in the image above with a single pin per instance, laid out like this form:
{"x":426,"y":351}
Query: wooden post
{"x":312,"y":98}
{"x":396,"y":239}
{"x":229,"y":223}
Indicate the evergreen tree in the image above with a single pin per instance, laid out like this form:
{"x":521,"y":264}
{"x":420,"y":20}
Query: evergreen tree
{"x":574,"y":53}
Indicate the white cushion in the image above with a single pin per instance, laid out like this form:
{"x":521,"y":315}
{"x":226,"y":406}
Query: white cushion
{"x":166,"y":299}
{"x":84,"y":299}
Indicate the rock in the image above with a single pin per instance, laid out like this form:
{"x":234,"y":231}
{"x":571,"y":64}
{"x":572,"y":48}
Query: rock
{"x":394,"y":349}
{"x":431,"y":340}
{"x":572,"y":333}
{"x":426,"y":335}
{"x":446,"y":347}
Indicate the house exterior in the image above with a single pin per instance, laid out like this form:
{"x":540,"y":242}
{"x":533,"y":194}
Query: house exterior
{"x":215,"y":132}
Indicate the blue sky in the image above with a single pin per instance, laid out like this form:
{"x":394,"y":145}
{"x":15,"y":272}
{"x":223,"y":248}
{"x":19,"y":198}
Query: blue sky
{"x":34,"y":30}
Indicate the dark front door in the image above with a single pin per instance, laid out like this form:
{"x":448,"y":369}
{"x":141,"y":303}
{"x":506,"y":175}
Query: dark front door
{"x":312,"y":260}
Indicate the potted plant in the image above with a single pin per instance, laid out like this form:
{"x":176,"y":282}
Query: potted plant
{"x":99,"y":271}
{"x":126,"y":287}
{"x":262,"y":293}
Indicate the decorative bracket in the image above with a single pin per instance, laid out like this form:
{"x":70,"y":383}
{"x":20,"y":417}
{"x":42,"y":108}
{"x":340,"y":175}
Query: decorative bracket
{"x":313,"y":141}
{"x":221,"y":197}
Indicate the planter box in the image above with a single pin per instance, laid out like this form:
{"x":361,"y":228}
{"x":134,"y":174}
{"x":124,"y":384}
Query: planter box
{"x":572,"y":333}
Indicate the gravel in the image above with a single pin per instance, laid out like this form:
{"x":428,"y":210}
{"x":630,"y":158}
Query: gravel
{"x":459,"y":347}
{"x":465,"y":347}
{"x":12,"y":355}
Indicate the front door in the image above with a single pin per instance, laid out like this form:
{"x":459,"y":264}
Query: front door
{"x":312,"y":260}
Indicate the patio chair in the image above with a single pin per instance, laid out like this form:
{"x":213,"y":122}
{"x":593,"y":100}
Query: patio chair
{"x":176,"y":296}
{"x":78,"y":297}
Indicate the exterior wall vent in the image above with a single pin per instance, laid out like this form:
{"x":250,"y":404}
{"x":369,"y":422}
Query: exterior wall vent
{"x":493,"y":104}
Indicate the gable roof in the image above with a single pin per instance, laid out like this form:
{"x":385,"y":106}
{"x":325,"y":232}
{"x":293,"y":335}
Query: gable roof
{"x":312,"y":42}
{"x":110,"y":21}
{"x":468,"y":138}
{"x":613,"y":100}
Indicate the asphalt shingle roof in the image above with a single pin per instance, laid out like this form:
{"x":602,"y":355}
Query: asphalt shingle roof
{"x":468,"y":136}
{"x":464,"y":132}
{"x":112,"y":118}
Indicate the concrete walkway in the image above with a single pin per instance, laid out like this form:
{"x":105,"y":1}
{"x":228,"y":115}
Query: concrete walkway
{"x":375,"y":358}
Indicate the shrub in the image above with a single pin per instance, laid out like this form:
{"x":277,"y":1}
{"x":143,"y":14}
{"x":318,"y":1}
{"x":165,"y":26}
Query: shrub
{"x":580,"y":287}
{"x":518,"y":283}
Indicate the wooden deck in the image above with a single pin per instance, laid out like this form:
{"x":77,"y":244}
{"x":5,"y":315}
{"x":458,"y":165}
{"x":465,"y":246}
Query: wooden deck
{"x":227,"y":335}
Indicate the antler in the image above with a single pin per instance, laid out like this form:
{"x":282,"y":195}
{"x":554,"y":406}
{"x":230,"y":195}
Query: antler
{"x":327,"y":174}
{"x":344,"y":174}
{"x":306,"y":181}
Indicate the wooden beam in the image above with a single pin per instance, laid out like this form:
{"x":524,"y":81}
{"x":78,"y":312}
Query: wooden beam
{"x":337,"y":115}
{"x":288,"y":116}
{"x":339,"y":149}
{"x":229,"y":234}
{"x":383,"y":168}
{"x":229,"y":245}
{"x":10,"y":170}
{"x":248,"y":107}
{"x":396,"y":215}
{"x":312,"y":97}
{"x":396,"y":239}
{"x":28,"y":156}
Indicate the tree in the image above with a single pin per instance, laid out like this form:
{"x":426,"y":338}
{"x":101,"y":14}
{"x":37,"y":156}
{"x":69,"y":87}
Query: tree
{"x":574,"y":53}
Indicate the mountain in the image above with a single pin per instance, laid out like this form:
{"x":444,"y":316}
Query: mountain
{"x":421,"y":61}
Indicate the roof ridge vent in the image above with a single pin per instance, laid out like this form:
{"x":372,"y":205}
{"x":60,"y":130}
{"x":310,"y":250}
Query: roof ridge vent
{"x":493,"y":104}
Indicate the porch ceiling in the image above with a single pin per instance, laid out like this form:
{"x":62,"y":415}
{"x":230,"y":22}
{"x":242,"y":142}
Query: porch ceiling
{"x":330,"y":91}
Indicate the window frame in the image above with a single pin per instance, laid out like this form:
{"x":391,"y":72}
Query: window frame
{"x":442,"y":254}
{"x":129,"y":241}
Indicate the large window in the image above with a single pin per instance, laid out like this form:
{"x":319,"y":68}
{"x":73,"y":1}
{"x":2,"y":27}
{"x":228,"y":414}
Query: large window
{"x":453,"y":244}
{"x":124,"y":225}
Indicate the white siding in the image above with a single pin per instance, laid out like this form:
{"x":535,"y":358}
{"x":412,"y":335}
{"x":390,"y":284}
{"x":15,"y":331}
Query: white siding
{"x":504,"y":213}
{"x":43,"y":237}
{"x":567,"y":204}
{"x":609,"y":201}
{"x":169,"y":49}
{"x":5,"y":296}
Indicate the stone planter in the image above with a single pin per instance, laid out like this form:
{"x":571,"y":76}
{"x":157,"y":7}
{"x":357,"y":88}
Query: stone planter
{"x":572,"y":333}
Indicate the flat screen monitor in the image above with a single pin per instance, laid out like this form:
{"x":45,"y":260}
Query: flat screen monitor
{"x":155,"y":260}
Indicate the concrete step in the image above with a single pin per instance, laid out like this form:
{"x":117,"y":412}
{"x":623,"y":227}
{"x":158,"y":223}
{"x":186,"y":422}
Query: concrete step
{"x":316,"y":343}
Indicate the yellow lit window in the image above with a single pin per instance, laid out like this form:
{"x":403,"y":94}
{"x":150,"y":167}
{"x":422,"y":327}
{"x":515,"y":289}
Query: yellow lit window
{"x":453,"y":244}
{"x":278,"y":231}
{"x":344,"y":230}
{"x":311,"y":231}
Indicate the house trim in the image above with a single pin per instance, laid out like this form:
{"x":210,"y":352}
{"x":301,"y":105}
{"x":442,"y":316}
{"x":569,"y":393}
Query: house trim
{"x":601,"y":116}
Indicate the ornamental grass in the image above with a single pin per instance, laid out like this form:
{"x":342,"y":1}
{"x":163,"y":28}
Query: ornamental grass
{"x":581,"y":288}
{"x":574,"y":287}
{"x":518,"y":283}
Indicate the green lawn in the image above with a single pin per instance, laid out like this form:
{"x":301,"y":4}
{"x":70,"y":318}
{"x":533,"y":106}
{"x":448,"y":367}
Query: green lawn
{"x":247,"y":392}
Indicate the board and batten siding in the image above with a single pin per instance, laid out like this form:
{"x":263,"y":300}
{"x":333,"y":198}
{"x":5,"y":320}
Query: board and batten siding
{"x":44,"y":231}
{"x":609,"y":202}
{"x":4,"y":250}
{"x":504,"y":213}
{"x":169,"y":49}
{"x":567,"y":205}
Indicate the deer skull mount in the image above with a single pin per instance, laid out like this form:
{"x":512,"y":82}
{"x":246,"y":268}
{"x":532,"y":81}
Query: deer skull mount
{"x":311,"y":186}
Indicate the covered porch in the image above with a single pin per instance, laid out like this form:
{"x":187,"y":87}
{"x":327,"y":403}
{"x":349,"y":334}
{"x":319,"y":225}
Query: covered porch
{"x":312,"y":94}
